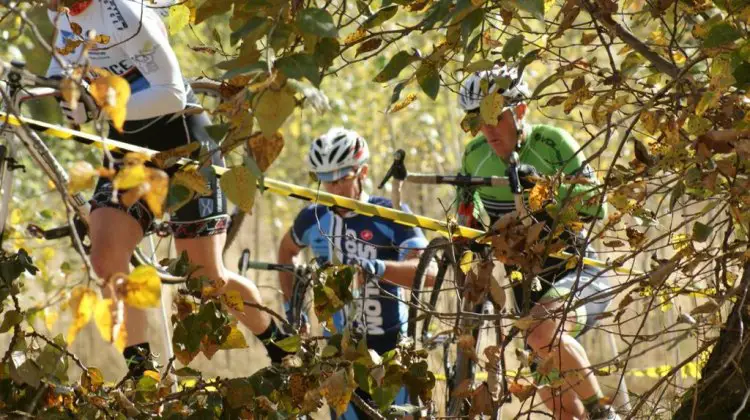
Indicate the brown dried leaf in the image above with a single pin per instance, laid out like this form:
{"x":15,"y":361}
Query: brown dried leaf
{"x":265,"y":150}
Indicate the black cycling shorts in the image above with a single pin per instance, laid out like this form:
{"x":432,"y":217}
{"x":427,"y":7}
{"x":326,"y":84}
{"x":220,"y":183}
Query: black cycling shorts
{"x":201,"y":216}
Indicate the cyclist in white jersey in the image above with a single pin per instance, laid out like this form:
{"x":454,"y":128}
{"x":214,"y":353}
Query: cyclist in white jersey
{"x":132,"y":42}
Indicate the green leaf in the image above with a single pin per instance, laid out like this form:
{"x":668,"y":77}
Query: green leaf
{"x":480,"y":65}
{"x":217,"y":131}
{"x":393,"y":68}
{"x":282,"y":36}
{"x":187,"y":371}
{"x":701,"y":232}
{"x":381,"y":16}
{"x":535,"y":7}
{"x":471,"y":22}
{"x":631,"y":64}
{"x":177,"y":197}
{"x":329,"y":351}
{"x":259,"y":67}
{"x":677,"y":192}
{"x":429,"y":80}
{"x":396,"y":93}
{"x":239,"y":185}
{"x":471,"y":49}
{"x":11,"y":319}
{"x":272,"y":108}
{"x":179,"y":17}
{"x":211,"y":8}
{"x":326,"y":50}
{"x":544,"y":84}
{"x":254,"y":27}
{"x":437,"y":13}
{"x":364,"y":8}
{"x":513,"y":47}
{"x":721,"y":34}
{"x":290,"y":344}
{"x":363,"y":378}
{"x":316,"y":22}
{"x":254,"y":169}
{"x":146,"y":384}
{"x":297,"y":66}
{"x":385,"y":395}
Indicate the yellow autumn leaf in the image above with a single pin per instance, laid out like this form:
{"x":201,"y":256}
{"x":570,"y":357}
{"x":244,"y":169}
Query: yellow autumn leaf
{"x":338,"y":388}
{"x":239,"y":186}
{"x":233,"y":299}
{"x":111,"y":93}
{"x":241,"y":130}
{"x":15,"y":217}
{"x":235,"y":340}
{"x":491,"y":107}
{"x":169,"y":157}
{"x":538,"y":196}
{"x":82,"y":177}
{"x":265,"y":150}
{"x":103,"y":318}
{"x":398,"y":106}
{"x":82,"y":302}
{"x":571,"y":263}
{"x":192,"y":180}
{"x":272,"y":108}
{"x":134,"y":194}
{"x":466,"y":259}
{"x":143,"y":288}
{"x":130,"y":176}
{"x":50,"y":317}
{"x":158,"y":182}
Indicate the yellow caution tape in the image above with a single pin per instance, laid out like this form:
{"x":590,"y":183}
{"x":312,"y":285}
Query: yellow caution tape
{"x":291,"y":190}
{"x":691,"y":370}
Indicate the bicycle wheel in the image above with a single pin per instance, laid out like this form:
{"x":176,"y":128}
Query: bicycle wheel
{"x":434,"y":320}
{"x":429,"y":330}
{"x":6,"y":184}
{"x":301,"y":302}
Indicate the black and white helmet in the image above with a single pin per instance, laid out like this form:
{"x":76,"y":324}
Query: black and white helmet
{"x":337,"y":153}
{"x":471,"y":93}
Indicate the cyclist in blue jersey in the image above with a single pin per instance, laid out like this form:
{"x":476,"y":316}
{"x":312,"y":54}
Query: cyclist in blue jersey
{"x":386,"y":252}
{"x":133,"y":43}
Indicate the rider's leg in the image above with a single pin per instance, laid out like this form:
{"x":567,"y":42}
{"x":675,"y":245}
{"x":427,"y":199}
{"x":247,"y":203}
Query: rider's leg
{"x":569,"y":357}
{"x":114,"y":235}
{"x":559,"y":402}
{"x":206,"y":252}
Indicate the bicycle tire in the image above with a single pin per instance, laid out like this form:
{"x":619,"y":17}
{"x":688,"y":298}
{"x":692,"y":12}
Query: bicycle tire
{"x":6,"y":183}
{"x":300,"y":289}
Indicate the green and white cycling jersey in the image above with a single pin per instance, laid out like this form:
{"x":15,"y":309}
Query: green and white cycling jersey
{"x":550,"y":150}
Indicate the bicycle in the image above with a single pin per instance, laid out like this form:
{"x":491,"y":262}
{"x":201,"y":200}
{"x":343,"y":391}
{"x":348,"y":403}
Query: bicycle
{"x":460,"y":298}
{"x":23,"y":86}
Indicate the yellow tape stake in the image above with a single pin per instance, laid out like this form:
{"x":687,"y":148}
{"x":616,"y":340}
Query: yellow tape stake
{"x":291,"y":190}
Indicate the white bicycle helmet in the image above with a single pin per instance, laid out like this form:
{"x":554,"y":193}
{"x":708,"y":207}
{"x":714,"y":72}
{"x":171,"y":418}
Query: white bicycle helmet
{"x":336,"y":154}
{"x":471,"y":94}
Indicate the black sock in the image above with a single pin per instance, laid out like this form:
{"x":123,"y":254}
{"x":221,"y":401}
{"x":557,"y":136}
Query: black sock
{"x":136,"y":358}
{"x":273,"y":333}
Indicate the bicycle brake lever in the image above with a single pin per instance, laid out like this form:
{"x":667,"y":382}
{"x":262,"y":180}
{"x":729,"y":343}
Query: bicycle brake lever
{"x":397,"y":169}
{"x":514,"y":181}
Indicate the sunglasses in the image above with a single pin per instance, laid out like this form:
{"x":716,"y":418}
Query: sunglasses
{"x":341,"y":180}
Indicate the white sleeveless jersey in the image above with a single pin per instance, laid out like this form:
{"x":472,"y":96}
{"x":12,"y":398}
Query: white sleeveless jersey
{"x":131,"y":42}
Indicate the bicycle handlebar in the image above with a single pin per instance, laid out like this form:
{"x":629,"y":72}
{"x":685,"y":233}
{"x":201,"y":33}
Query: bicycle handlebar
{"x":19,"y":78}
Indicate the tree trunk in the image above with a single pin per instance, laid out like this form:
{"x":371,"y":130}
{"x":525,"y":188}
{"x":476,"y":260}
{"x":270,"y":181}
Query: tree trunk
{"x":724,"y":384}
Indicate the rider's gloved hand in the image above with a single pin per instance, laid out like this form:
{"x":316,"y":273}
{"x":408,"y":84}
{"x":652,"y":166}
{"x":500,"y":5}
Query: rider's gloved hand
{"x":81,"y":114}
{"x":373,"y":267}
{"x":525,"y":172}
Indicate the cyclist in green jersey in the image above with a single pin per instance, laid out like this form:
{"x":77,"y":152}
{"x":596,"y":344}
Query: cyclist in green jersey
{"x":547,"y":150}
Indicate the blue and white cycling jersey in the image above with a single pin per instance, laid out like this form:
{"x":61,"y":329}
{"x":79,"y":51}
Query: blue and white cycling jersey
{"x":353,"y":238}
